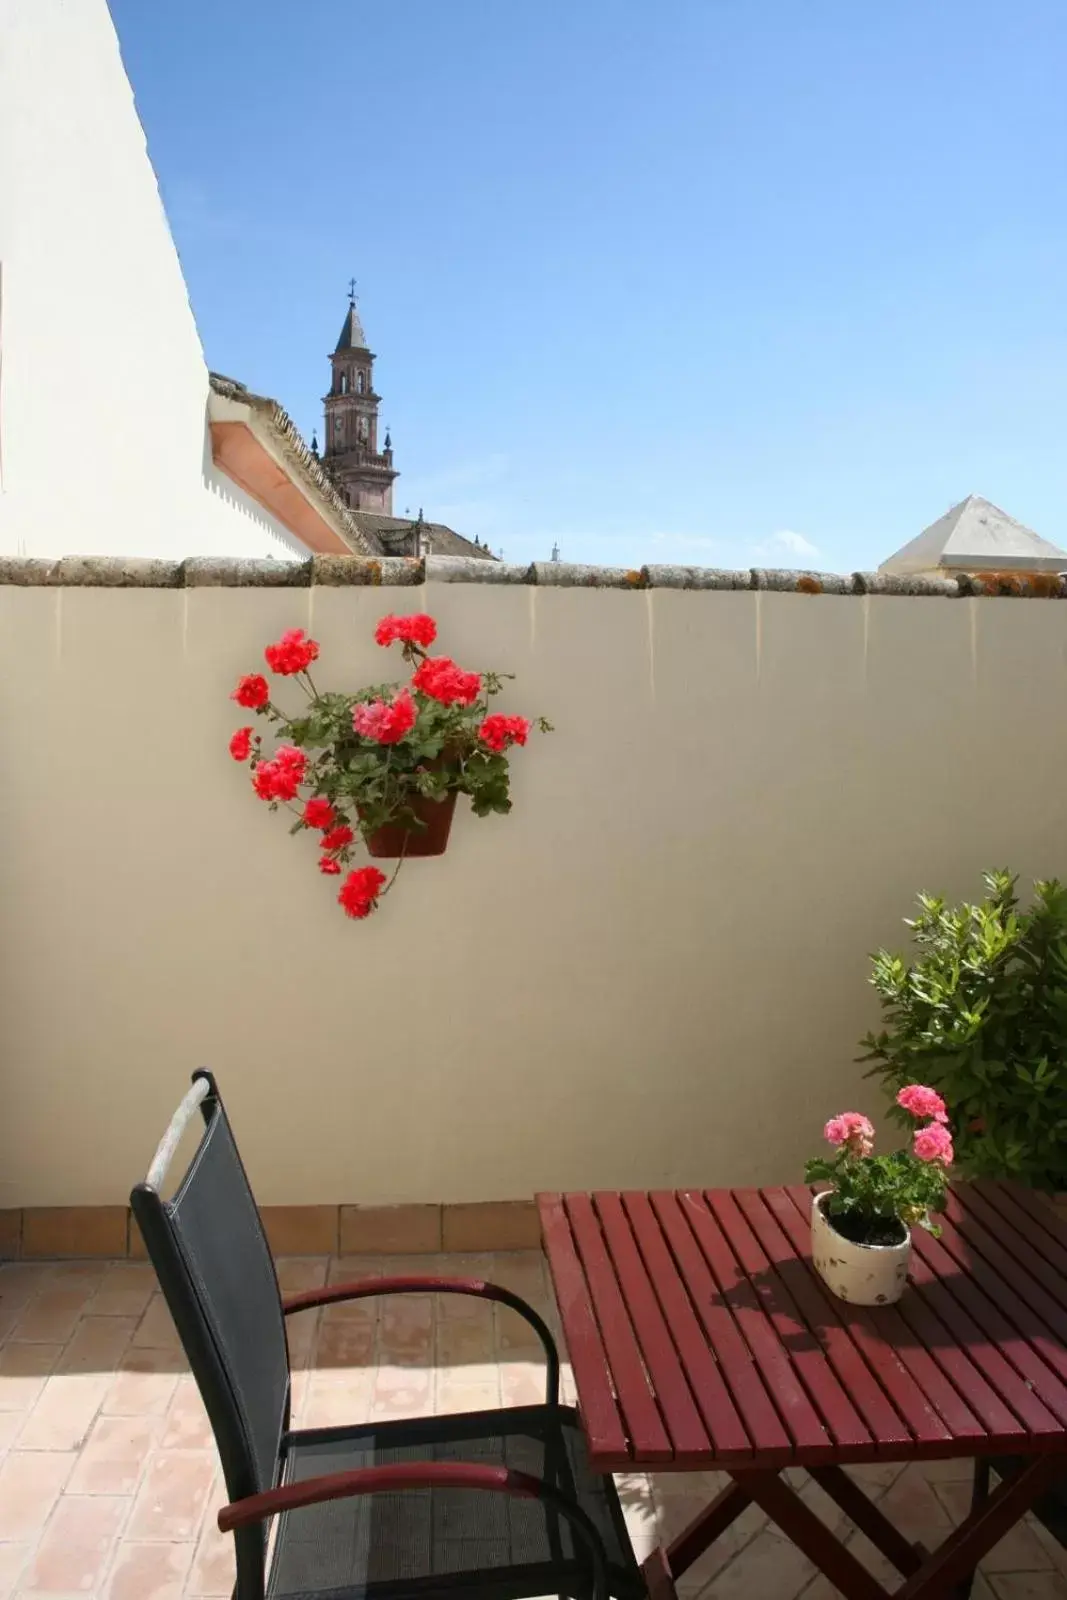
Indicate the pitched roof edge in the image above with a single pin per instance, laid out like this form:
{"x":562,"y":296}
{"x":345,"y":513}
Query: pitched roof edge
{"x":297,"y":458}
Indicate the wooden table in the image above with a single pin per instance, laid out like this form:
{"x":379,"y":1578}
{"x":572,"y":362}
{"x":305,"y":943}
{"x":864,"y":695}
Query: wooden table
{"x":701,"y":1337}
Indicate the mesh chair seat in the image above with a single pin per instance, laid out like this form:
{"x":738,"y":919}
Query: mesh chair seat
{"x":431,"y":1542}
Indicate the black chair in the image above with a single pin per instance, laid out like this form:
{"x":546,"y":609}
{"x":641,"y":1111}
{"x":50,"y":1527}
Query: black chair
{"x":496,"y":1504}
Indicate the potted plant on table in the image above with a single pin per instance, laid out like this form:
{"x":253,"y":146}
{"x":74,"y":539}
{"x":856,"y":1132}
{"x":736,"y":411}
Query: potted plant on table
{"x":861,"y":1226}
{"x":384,"y":764}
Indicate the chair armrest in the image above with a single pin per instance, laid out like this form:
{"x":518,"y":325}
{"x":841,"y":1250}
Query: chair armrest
{"x":419,"y":1475}
{"x":477,"y":1288}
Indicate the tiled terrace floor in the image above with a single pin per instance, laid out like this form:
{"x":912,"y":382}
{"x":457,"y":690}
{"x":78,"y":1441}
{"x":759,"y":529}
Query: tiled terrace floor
{"x":108,"y":1477}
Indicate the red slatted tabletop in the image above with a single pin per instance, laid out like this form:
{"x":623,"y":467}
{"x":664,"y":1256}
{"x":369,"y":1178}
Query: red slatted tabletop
{"x":701,"y":1337}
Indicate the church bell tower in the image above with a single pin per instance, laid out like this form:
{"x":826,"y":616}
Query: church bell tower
{"x":362,"y":472}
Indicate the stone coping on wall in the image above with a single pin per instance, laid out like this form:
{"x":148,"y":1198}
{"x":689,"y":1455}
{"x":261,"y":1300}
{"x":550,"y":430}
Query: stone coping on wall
{"x":205,"y":572}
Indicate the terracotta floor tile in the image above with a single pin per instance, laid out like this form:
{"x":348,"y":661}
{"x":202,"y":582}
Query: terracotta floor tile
{"x":460,"y":1339}
{"x":455,"y":1393}
{"x":335,"y":1399}
{"x":213,"y":1571}
{"x":113,"y":1456}
{"x":10,"y":1423}
{"x":768,"y":1567}
{"x":24,"y":1369}
{"x":20,"y":1280}
{"x":186,"y":1425}
{"x":89,"y":1273}
{"x":638,"y":1506}
{"x":514,"y":1335}
{"x":958,"y":1470}
{"x":144,"y":1384}
{"x":1028,"y":1586}
{"x":98,"y":1344}
{"x":913,"y":1507}
{"x":875,"y":1476}
{"x":522,"y":1383}
{"x":13,"y":1558}
{"x":346,"y":1344}
{"x":76,"y":1545}
{"x":156,"y":1330}
{"x":52,"y":1316}
{"x":1020,"y":1550}
{"x":148,"y":1572}
{"x":30,"y":1484}
{"x":63,"y":1416}
{"x":349,"y":1269}
{"x":405,"y":1333}
{"x":301,"y":1272}
{"x":401,"y":1392}
{"x":170,"y":1502}
{"x":124,"y":1290}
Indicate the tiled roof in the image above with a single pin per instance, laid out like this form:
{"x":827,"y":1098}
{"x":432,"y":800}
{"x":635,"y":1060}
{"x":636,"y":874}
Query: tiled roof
{"x":394,"y":534}
{"x":200,"y":572}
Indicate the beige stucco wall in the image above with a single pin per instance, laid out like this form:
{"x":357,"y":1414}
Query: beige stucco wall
{"x":653,"y":972}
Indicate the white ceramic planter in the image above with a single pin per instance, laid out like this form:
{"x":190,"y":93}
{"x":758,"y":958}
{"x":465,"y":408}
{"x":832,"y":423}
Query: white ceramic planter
{"x":862,"y":1274}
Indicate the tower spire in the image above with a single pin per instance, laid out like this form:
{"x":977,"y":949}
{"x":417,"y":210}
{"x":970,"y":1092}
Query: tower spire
{"x":364,"y":474}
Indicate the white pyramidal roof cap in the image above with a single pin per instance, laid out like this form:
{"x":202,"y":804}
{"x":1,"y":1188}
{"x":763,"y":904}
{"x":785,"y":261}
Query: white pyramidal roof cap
{"x":976,"y":536}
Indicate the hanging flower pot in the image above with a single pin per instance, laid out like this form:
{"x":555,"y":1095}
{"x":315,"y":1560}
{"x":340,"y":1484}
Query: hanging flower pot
{"x":398,"y":841}
{"x":384,"y":764}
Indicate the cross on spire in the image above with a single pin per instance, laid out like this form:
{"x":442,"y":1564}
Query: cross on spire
{"x":352,"y":291}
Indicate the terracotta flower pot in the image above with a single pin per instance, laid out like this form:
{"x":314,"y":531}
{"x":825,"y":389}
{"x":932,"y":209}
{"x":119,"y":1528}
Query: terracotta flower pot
{"x":399,"y":839}
{"x":862,"y":1274}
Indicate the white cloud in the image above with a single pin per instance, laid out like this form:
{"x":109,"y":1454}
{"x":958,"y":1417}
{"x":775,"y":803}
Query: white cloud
{"x":795,"y":543}
{"x":785,"y":543}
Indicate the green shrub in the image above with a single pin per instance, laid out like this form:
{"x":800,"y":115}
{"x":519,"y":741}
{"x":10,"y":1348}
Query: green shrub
{"x":980,"y":1014}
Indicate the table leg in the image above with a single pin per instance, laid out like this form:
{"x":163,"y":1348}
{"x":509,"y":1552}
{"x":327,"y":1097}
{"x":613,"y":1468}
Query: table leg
{"x":979,"y":1532}
{"x":811,"y":1536}
{"x":706,"y":1528}
{"x":865,"y":1515}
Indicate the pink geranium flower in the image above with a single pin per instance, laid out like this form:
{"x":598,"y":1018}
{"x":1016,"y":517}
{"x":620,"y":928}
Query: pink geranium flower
{"x":933,"y":1143}
{"x":853,"y":1129}
{"x":922,"y":1102}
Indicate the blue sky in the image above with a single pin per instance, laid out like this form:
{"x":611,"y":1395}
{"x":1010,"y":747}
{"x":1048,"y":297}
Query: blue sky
{"x":729,"y":282}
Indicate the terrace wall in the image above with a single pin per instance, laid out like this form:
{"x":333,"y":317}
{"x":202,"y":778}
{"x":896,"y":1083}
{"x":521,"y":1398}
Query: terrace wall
{"x":651,"y":973}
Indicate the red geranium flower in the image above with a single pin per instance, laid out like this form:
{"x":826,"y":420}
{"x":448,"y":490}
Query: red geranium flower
{"x":360,"y":890}
{"x":281,"y":776}
{"x":293,"y":653}
{"x":338,"y":838}
{"x":294,"y":760}
{"x":419,"y":629}
{"x":252,"y":691}
{"x":328,"y":865}
{"x":274,"y":781}
{"x":385,"y":721}
{"x":319,"y":813}
{"x":442,"y":680}
{"x":241,"y":744}
{"x":498,"y":732}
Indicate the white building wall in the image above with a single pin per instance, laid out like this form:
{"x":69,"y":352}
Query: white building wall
{"x":103,"y":383}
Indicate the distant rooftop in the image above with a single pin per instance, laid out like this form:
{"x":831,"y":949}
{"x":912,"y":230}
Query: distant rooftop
{"x":976,"y":536}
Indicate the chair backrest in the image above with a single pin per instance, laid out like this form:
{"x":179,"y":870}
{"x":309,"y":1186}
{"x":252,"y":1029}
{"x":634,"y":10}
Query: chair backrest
{"x":214,"y":1266}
